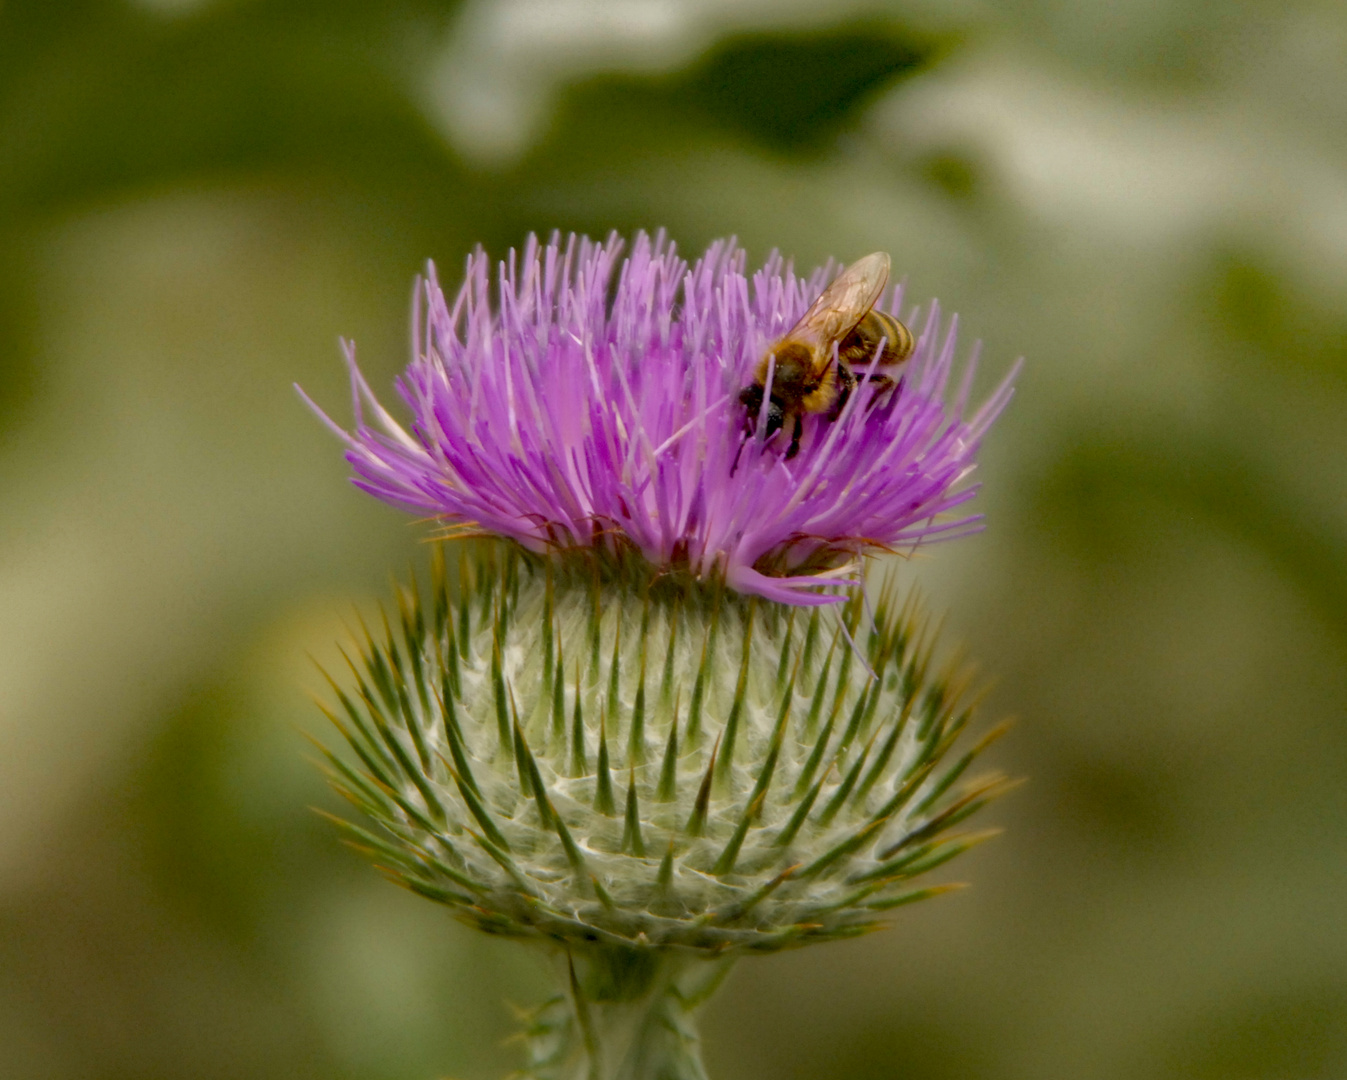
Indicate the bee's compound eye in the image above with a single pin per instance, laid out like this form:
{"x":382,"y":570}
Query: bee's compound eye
{"x":751,"y":395}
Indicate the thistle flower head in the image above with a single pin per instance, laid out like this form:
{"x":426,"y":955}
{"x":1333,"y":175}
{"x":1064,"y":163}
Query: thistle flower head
{"x":594,"y":407}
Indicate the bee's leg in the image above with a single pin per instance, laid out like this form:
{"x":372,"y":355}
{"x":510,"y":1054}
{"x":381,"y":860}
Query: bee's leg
{"x":776,"y":417}
{"x":882,"y":384}
{"x":794,"y":447}
{"x":846,"y":381}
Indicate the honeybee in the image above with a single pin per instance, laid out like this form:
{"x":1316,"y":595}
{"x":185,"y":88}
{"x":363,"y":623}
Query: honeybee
{"x":805,"y":378}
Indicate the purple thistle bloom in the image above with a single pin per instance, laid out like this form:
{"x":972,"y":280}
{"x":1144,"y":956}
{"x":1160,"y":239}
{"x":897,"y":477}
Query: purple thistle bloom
{"x":595,"y":406}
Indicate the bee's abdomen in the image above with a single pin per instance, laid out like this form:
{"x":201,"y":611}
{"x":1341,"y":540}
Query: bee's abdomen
{"x":858,"y":347}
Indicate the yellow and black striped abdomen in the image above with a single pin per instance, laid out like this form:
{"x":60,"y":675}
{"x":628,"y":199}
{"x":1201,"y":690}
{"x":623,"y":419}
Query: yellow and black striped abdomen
{"x":857,"y":349}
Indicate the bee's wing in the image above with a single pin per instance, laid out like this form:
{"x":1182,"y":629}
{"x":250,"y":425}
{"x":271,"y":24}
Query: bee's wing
{"x":844,"y":303}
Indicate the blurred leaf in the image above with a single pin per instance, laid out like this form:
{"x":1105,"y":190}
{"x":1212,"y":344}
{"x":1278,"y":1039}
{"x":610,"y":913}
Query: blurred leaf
{"x":1099,"y":490}
{"x":1264,"y":1032}
{"x":19,"y":375}
{"x":1256,"y":306}
{"x":112,"y":104}
{"x":788,"y":93}
{"x":224,"y":804}
{"x":796,"y":93}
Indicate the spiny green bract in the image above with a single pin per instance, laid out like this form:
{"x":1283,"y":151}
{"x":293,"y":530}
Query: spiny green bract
{"x":557,"y":757}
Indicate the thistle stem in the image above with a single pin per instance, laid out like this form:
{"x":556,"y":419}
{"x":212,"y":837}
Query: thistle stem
{"x":624,"y":1014}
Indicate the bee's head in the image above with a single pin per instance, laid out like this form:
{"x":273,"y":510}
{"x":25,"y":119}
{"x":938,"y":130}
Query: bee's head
{"x":751,"y":398}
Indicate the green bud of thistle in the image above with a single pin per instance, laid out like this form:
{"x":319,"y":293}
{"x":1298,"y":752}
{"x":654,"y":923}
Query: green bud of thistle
{"x":647,"y":778}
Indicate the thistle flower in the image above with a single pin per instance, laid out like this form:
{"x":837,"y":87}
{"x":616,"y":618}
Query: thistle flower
{"x":654,"y":771}
{"x":594,"y":408}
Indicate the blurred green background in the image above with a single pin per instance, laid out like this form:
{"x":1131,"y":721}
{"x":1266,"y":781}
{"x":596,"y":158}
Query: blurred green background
{"x":1147,"y":198}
